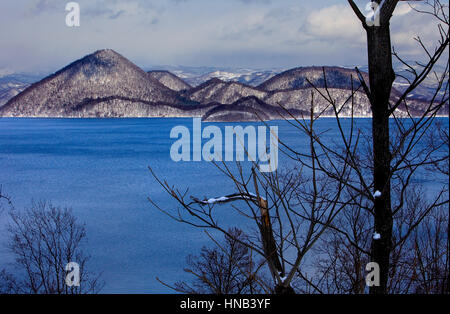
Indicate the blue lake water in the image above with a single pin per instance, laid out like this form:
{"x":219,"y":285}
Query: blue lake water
{"x":99,"y":168}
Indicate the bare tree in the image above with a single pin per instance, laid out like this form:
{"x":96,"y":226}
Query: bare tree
{"x":228,"y":268}
{"x":419,"y":264}
{"x":290,"y":211}
{"x":4,"y":199}
{"x":342,"y":254}
{"x":378,"y":90}
{"x":44,"y":239}
{"x":355,"y":193}
{"x":9,"y":284}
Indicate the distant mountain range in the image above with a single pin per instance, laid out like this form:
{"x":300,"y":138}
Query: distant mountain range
{"x":105,"y":84}
{"x":195,"y":76}
{"x":12,"y":84}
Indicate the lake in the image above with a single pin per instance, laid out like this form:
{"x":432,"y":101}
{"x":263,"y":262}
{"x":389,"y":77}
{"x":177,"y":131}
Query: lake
{"x":99,"y":168}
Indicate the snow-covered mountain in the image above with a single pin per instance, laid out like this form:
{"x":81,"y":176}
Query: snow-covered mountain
{"x":170,"y":80}
{"x":216,"y":90}
{"x":102,"y":84}
{"x":305,"y":77}
{"x":196,"y":76}
{"x":11,"y":84}
{"x":105,"y":84}
{"x":286,"y":92}
{"x":427,"y":88}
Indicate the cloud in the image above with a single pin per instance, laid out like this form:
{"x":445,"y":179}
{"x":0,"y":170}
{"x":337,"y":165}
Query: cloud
{"x":337,"y":22}
{"x":255,"y":1}
{"x":403,"y":8}
{"x":338,"y":25}
{"x":109,"y":8}
{"x":408,"y":24}
{"x":259,"y":33}
{"x":45,"y":5}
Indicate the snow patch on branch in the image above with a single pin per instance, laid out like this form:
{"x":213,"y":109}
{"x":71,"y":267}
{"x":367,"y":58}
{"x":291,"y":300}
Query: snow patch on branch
{"x":377,"y":194}
{"x":283,"y":278}
{"x":376,"y":236}
{"x":216,"y":200}
{"x":254,"y":196}
{"x":228,"y":198}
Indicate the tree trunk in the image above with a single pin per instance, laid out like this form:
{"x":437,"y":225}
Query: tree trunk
{"x":381,"y":78}
{"x":280,"y":289}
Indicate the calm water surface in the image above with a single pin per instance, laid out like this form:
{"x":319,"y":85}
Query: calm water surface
{"x":99,"y":168}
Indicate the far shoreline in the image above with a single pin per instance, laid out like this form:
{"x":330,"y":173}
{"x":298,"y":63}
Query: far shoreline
{"x":234,"y":121}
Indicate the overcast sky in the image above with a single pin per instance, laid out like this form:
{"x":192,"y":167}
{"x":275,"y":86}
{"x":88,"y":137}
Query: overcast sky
{"x":236,"y":33}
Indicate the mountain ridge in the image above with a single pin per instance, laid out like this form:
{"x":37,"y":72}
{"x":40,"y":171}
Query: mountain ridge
{"x":106,"y":84}
{"x":101,"y":74}
{"x":169,"y":80}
